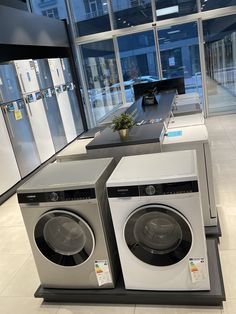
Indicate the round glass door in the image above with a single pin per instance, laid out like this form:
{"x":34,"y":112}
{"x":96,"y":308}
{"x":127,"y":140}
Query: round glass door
{"x":158,"y":235}
{"x":64,"y":238}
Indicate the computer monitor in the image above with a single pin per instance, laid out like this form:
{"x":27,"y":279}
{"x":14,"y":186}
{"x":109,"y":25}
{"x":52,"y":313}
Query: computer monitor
{"x":173,"y":83}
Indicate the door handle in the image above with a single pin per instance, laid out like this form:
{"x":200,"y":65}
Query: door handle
{"x":8,"y":122}
{"x":28,"y":107}
{"x":22,"y":83}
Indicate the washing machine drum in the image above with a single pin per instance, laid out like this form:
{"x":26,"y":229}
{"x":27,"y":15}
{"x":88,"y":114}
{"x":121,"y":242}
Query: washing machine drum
{"x":158,"y":235}
{"x":64,"y":238}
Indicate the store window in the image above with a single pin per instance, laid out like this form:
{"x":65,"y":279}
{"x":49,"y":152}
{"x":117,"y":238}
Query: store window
{"x":180,"y":57}
{"x":128,"y":13}
{"x":138,"y":60}
{"x":166,"y":9}
{"x":216,"y":4}
{"x":220,"y":54}
{"x":102,"y":79}
{"x":51,"y":8}
{"x":90,"y":16}
{"x":51,"y":13}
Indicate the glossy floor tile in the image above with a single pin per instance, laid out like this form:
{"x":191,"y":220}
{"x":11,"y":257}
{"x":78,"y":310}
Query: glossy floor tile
{"x":18,"y":274}
{"x":24,"y":283}
{"x":96,"y":309}
{"x":15,"y":305}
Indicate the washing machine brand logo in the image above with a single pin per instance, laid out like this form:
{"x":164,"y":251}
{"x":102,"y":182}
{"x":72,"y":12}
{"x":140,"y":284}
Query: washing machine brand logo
{"x":122,"y":190}
{"x":31,"y":196}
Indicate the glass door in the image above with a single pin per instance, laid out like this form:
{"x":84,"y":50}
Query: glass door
{"x":64,"y":238}
{"x":138,"y":60}
{"x":220,"y":56}
{"x":179,"y":50}
{"x":158,"y":235}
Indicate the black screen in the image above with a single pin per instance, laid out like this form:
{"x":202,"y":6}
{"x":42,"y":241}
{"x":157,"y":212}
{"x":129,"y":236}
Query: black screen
{"x":173,"y":83}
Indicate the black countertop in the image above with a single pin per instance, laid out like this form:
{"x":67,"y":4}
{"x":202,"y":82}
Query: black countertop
{"x":142,"y":134}
{"x":160,"y":111}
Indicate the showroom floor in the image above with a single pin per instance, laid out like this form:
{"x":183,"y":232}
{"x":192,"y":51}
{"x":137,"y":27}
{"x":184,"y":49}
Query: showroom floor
{"x":19,"y":279}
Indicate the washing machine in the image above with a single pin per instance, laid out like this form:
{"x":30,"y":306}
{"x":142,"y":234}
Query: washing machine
{"x":185,"y":121}
{"x":156,"y":212}
{"x":67,"y":218}
{"x":196,"y":137}
{"x":74,"y":151}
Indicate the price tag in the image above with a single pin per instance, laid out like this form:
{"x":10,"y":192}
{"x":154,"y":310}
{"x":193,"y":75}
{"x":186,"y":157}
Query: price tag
{"x":18,"y":115}
{"x":197,"y":269}
{"x":102,"y":272}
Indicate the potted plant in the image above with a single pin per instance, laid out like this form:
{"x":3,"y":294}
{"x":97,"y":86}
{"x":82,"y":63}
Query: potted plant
{"x":122,"y":124}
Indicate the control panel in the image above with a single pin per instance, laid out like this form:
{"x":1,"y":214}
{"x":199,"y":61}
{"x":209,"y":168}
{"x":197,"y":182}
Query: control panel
{"x":153,"y":189}
{"x":56,"y":196}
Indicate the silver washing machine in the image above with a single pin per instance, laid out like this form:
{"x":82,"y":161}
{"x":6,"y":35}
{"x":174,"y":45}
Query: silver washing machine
{"x":67,"y":218}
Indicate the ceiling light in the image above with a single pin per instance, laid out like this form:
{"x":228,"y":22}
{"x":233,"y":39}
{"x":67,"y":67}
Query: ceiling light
{"x":174,"y":32}
{"x":124,"y":22}
{"x":104,"y":3}
{"x":119,"y":18}
{"x":169,"y":10}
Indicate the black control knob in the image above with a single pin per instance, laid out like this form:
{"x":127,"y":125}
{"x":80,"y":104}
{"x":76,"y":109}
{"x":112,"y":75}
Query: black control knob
{"x":150,"y":190}
{"x":54,"y":197}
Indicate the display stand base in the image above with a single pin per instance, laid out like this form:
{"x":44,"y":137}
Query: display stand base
{"x":119,"y":295}
{"x":213,"y":231}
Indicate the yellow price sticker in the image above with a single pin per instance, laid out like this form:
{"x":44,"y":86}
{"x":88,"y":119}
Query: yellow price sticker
{"x":18,"y":114}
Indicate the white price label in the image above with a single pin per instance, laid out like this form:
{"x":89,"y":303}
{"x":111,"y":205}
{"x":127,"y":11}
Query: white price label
{"x":102,"y":272}
{"x":197,"y":268}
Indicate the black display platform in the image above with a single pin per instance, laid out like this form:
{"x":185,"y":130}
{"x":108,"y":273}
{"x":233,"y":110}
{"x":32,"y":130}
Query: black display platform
{"x":119,"y":295}
{"x":213,"y":231}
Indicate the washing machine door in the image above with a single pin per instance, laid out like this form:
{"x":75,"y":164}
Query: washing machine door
{"x":64,"y":238}
{"x":158,"y":235}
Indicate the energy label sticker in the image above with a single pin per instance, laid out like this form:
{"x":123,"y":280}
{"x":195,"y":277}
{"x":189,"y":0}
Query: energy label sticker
{"x":197,"y":269}
{"x":102,"y":272}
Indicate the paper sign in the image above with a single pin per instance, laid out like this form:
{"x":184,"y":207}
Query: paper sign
{"x":18,"y":115}
{"x":15,"y":105}
{"x":174,"y":133}
{"x":49,"y":92}
{"x":102,"y":272}
{"x":197,"y":268}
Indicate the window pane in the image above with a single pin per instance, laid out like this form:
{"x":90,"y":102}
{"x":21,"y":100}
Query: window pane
{"x":174,"y":8}
{"x":216,"y":4}
{"x":180,"y":55}
{"x":138,"y":60}
{"x":54,"y":9}
{"x":90,"y":16}
{"x":102,"y":78}
{"x":132,"y":12}
{"x":220,"y":54}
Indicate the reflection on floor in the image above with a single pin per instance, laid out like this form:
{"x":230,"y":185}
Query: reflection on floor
{"x":220,"y":98}
{"x":19,"y":279}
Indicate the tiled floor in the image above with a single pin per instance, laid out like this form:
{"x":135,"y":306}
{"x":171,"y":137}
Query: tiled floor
{"x":19,"y":279}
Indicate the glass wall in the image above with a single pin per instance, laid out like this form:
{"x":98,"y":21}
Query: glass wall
{"x":90,"y":16}
{"x":166,"y":9}
{"x":51,"y":8}
{"x":138,"y":60}
{"x":220,"y":55}
{"x":128,"y":13}
{"x":102,"y":80}
{"x":216,"y":4}
{"x":127,"y":24}
{"x":179,"y":49}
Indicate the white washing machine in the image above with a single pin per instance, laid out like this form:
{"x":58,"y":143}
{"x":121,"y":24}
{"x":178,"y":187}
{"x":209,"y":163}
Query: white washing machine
{"x":67,"y":218}
{"x":74,"y":151}
{"x":185,"y":121}
{"x":196,"y":137}
{"x":157,"y":217}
